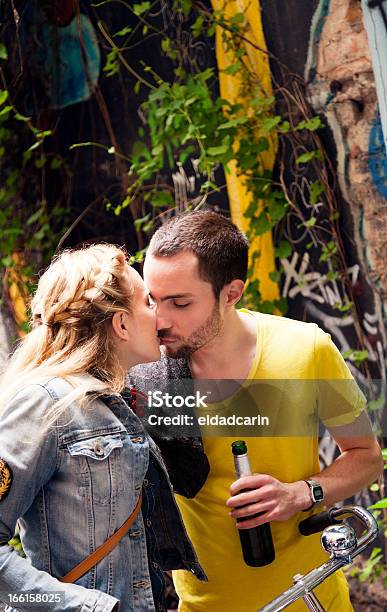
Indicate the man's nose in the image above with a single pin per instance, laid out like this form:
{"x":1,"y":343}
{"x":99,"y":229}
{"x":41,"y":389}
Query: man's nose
{"x":162,"y":322}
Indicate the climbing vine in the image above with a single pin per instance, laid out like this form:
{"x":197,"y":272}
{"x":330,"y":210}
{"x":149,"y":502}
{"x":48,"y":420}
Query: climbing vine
{"x":183,"y":120}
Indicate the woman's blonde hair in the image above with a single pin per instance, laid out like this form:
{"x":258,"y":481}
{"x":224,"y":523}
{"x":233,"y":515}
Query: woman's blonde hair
{"x":75,"y":298}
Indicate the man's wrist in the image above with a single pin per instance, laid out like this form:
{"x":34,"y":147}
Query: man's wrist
{"x":302,"y":495}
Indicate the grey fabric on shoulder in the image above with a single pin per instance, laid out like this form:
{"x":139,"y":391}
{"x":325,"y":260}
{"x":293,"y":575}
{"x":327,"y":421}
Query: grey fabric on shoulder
{"x":184,"y":456}
{"x":166,"y":369}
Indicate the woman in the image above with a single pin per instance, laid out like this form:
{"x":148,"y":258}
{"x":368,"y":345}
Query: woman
{"x":74,"y":458}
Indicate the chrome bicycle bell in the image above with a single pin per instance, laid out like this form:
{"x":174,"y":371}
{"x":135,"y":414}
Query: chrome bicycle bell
{"x":339,"y":540}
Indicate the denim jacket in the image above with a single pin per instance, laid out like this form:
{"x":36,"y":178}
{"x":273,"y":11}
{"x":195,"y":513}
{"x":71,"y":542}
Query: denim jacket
{"x":72,"y":486}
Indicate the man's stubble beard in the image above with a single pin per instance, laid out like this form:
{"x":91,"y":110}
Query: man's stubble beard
{"x":200,"y":337}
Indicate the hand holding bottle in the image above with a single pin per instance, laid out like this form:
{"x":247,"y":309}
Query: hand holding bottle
{"x":264,"y":498}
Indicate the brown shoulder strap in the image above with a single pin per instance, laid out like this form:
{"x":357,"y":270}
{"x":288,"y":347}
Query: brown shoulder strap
{"x":103,"y":550}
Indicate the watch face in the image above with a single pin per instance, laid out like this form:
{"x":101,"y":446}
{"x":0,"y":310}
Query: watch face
{"x":318,"y":493}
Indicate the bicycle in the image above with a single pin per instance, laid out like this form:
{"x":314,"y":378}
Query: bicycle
{"x":339,"y":539}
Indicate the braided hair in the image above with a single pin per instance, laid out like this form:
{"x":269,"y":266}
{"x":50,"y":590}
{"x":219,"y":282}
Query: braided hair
{"x":75,"y":300}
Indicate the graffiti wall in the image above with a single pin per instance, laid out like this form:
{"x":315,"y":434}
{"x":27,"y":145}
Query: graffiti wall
{"x":330,"y":50}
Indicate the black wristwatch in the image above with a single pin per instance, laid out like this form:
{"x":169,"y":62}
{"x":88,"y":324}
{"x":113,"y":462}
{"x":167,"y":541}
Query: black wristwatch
{"x":316,"y":493}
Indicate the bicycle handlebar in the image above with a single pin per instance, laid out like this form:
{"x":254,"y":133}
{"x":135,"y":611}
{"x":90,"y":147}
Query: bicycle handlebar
{"x":317,"y":522}
{"x":305,"y":584}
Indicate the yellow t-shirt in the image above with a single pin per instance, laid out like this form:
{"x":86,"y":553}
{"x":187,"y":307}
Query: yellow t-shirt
{"x":287,"y":351}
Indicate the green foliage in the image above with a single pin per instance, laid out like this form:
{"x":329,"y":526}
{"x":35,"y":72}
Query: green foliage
{"x":372,"y":568}
{"x":309,"y":156}
{"x":382,"y":503}
{"x":283,"y":250}
{"x":3,"y":52}
{"x":377,"y":404}
{"x":357,"y":357}
{"x":183,"y":120}
{"x":327,"y":251}
{"x":112,"y":64}
{"x":316,"y":189}
{"x":31,"y":229}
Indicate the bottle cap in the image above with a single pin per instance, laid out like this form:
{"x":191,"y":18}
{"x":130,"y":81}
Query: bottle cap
{"x":239,"y":447}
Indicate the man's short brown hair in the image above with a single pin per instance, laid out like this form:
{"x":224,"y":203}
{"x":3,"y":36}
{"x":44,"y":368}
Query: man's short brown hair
{"x":221,"y":248}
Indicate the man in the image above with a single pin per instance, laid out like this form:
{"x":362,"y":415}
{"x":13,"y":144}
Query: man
{"x":195,"y":270}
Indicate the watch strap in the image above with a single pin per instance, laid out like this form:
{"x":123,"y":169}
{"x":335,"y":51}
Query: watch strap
{"x":311,"y":484}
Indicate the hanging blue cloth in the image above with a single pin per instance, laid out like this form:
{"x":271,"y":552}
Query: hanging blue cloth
{"x":68,"y":58}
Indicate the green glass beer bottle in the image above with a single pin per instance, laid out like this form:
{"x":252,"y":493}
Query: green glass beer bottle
{"x":257,"y":542}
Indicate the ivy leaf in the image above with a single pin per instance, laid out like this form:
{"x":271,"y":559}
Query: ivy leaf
{"x":123,"y":32}
{"x":141,"y":8}
{"x":331,"y":275}
{"x":20,"y":117}
{"x":56,"y":163}
{"x":233,"y":68}
{"x":308,"y":156}
{"x":112,"y":65}
{"x":275,"y":276}
{"x":233,"y":123}
{"x":3,"y":52}
{"x":377,"y":404}
{"x":7,"y":261}
{"x":266,"y":307}
{"x":310,"y":222}
{"x":283,"y":250}
{"x":270,"y":123}
{"x":185,"y":154}
{"x":237,"y":18}
{"x":356,"y":356}
{"x":284,"y":127}
{"x":197,"y":26}
{"x":382,"y":503}
{"x":374,"y":487}
{"x":282,"y":305}
{"x":328,"y":251}
{"x":186,"y":6}
{"x":138,"y":223}
{"x":345,"y":308}
{"x":160,"y":199}
{"x":40,"y":161}
{"x":316,"y":189}
{"x":251,"y":210}
{"x":39,"y":235}
{"x":6,"y":110}
{"x":3,"y":96}
{"x":277,"y":206}
{"x":260,"y":225}
{"x":312,"y":124}
{"x":216,"y":151}
{"x":253,"y":286}
{"x":35,"y":216}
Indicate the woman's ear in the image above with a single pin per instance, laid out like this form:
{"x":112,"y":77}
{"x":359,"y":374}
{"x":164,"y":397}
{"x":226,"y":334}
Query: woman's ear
{"x":120,"y":325}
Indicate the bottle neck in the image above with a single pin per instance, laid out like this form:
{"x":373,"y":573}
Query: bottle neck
{"x":242,"y":465}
